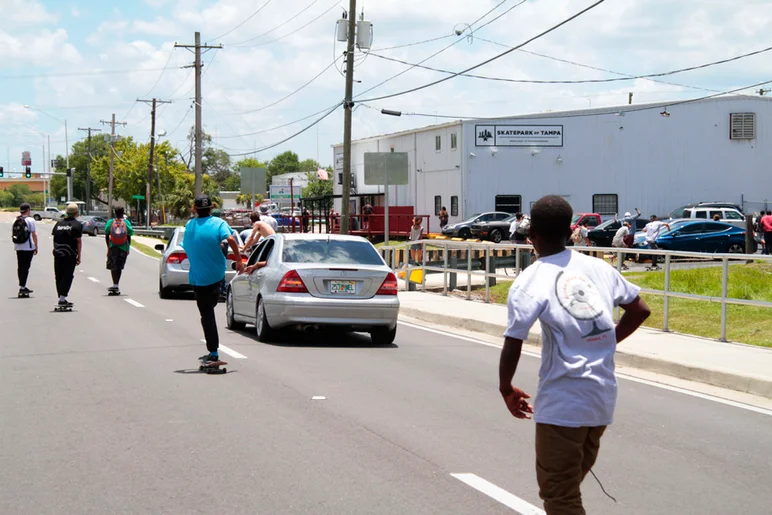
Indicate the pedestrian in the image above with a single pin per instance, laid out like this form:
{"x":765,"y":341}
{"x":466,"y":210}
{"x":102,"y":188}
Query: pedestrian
{"x":652,"y":230}
{"x":416,"y":234}
{"x":25,"y":242}
{"x":118,"y":233}
{"x":443,"y":217}
{"x":203,"y":235}
{"x":265,"y":216}
{"x":573,"y":296}
{"x":766,"y":227}
{"x":580,"y":236}
{"x":519,"y":228}
{"x":618,"y":242}
{"x":306,"y":219}
{"x":630,"y":218}
{"x":367,"y":212}
{"x":67,"y":235}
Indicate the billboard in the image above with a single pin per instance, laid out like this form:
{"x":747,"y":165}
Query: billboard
{"x":26,"y":159}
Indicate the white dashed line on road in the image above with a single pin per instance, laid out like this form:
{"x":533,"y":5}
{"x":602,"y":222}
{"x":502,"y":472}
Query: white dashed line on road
{"x":134,"y":303}
{"x":494,"y":492}
{"x":318,"y":398}
{"x":232,"y":353}
{"x":169,"y":320}
{"x":93,"y":279}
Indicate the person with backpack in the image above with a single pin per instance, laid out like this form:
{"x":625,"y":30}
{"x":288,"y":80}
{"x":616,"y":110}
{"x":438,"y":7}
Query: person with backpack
{"x":67,"y":236}
{"x":25,"y":241}
{"x":118,"y":233}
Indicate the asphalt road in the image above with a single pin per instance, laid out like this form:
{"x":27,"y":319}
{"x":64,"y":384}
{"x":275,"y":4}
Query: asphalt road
{"x":103,"y":411}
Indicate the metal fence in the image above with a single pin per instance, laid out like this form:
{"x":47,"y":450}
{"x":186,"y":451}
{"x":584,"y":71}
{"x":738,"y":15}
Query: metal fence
{"x":484,"y":260}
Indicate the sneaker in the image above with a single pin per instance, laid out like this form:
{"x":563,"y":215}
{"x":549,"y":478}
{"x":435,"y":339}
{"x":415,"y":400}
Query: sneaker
{"x":64,"y":303}
{"x":25,"y":290}
{"x":208,"y":358}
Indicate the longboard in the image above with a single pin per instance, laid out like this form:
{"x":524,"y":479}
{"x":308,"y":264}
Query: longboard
{"x":63,"y":309}
{"x":213,"y":367}
{"x":113,"y":293}
{"x":23,"y":295}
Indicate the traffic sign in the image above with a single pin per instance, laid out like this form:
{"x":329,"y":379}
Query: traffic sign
{"x":138,"y":197}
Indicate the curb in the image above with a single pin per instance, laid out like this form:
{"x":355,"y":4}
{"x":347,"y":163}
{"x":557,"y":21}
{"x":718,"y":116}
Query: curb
{"x":723,"y":379}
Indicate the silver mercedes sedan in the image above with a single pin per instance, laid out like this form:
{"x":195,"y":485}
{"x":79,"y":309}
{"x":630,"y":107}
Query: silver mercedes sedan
{"x":312,"y":281}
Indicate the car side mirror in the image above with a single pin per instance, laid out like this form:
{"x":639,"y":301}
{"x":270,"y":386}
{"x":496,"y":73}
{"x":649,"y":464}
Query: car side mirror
{"x":160,"y":247}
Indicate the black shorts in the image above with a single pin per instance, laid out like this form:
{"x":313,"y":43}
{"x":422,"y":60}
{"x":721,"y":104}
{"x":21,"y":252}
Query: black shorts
{"x":116,"y":259}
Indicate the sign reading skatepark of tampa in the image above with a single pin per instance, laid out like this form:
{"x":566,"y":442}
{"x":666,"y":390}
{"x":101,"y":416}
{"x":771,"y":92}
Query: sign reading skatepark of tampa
{"x":518,"y":135}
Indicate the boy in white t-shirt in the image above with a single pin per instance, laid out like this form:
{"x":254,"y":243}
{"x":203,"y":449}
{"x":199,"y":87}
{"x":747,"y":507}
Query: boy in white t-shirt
{"x":573,"y":296}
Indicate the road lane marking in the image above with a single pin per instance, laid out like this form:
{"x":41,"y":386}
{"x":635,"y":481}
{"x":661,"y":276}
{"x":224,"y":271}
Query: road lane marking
{"x":494,"y":492}
{"x":169,"y":320}
{"x":232,"y":353}
{"x":318,"y":398}
{"x":134,"y":303}
{"x":677,"y":389}
{"x":93,"y":279}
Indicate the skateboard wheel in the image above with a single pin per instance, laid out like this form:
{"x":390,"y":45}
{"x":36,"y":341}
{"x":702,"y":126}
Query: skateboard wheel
{"x":224,"y":370}
{"x":201,"y":369}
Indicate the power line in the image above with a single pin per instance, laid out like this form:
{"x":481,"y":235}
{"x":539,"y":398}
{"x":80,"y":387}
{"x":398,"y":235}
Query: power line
{"x":246,"y":20}
{"x":280,"y":126}
{"x":190,"y":108}
{"x":80,"y":74}
{"x":414,"y":44}
{"x":162,"y":73}
{"x":487,"y":61}
{"x":337,"y":2}
{"x":276,"y":27}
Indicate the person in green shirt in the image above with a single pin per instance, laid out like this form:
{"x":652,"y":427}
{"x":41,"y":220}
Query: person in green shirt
{"x":118,"y":233}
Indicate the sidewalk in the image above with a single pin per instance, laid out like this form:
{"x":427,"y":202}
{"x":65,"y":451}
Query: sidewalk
{"x":744,"y":368}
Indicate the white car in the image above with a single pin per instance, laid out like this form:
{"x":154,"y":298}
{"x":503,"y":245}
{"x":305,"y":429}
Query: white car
{"x":316,"y":280}
{"x":728,"y":215}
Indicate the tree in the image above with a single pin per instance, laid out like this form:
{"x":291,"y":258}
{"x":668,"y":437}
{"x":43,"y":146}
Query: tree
{"x":19,"y":192}
{"x":286,"y":162}
{"x":79,"y":159}
{"x":309,"y":165}
{"x":6,"y":199}
{"x":232,"y":183}
{"x":217,"y":164}
{"x":248,"y":199}
{"x":248,"y":162}
{"x":35,"y":199}
{"x":318,"y":188}
{"x":181,"y":198}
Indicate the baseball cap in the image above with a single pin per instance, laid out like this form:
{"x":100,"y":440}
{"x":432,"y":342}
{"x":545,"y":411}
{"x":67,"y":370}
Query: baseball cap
{"x":216,"y":213}
{"x":203,"y":201}
{"x":264,"y":209}
{"x":24,"y":207}
{"x":72,"y":208}
{"x":627,"y":213}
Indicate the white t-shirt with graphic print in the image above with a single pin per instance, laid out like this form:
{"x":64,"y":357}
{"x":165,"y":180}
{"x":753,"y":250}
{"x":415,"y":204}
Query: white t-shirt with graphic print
{"x":573,"y":296}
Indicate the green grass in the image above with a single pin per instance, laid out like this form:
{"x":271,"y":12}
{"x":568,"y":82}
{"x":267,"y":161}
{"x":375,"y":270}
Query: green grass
{"x":141,"y":247}
{"x":745,"y":324}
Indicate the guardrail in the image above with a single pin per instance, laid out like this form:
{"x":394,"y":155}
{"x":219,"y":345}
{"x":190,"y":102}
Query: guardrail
{"x":489,"y":257}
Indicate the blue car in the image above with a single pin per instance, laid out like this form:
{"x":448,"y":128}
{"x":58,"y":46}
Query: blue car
{"x":700,"y":236}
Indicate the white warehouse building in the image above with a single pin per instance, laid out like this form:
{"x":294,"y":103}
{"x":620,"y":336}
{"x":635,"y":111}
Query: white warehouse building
{"x":656,"y":157}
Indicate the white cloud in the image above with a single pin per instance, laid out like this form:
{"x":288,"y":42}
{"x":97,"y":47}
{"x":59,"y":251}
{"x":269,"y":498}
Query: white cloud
{"x":41,"y":48}
{"x":23,"y":13}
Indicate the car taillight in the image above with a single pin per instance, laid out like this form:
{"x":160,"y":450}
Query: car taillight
{"x":389,"y":286}
{"x":175,"y":258}
{"x":291,"y":283}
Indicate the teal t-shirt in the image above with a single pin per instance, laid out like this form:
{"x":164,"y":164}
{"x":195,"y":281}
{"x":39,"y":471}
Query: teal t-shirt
{"x":129,"y":232}
{"x":202,"y":245}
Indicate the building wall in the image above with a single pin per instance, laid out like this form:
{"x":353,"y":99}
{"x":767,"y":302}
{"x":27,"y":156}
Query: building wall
{"x":35,"y":185}
{"x":652,"y":162}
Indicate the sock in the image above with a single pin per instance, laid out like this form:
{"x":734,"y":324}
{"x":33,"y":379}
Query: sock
{"x":62,"y":298}
{"x":115,"y":286}
{"x":214,"y":355}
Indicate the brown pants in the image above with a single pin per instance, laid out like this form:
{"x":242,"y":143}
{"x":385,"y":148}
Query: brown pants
{"x":564,"y":455}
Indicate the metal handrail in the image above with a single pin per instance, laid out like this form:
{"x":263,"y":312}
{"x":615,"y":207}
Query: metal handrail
{"x":488,"y":247}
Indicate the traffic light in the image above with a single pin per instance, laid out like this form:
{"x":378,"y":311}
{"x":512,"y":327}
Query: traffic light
{"x":69,"y":172}
{"x":27,"y":172}
{"x":1,"y":172}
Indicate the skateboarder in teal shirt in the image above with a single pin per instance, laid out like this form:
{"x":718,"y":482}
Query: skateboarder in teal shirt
{"x":118,"y":233}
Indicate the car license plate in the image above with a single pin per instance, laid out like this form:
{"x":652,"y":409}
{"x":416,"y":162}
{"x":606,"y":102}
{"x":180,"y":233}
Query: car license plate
{"x":343,"y":287}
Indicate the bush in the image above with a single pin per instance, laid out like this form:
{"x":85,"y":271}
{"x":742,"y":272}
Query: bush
{"x":35,"y":199}
{"x":6,"y":199}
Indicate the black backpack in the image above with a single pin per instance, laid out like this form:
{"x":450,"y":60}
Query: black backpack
{"x":20,"y":230}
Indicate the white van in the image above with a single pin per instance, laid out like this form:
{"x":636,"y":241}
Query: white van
{"x":728,"y":215}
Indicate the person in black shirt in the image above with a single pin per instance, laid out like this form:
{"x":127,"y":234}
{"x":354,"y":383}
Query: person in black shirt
{"x":67,"y":245}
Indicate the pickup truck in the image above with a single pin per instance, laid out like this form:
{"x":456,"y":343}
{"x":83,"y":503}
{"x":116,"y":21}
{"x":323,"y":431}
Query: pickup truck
{"x":51,"y":213}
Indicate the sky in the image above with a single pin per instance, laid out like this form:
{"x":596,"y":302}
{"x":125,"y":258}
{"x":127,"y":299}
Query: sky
{"x":280,"y":65}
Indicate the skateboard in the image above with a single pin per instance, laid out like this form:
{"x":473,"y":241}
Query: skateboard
{"x":63,"y":309}
{"x":653,"y":268}
{"x":23,"y":295}
{"x":113,"y":293}
{"x":213,"y":367}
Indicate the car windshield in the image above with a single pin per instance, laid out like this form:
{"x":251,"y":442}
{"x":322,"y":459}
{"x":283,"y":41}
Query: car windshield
{"x":510,"y":219}
{"x":673,"y":227}
{"x":331,"y":252}
{"x":575,"y":219}
{"x":472,"y":218}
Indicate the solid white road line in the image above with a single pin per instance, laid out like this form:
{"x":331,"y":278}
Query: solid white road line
{"x":134,"y":303}
{"x":232,"y":353}
{"x":494,"y":492}
{"x":699,"y":395}
{"x":318,"y":398}
{"x":93,"y":279}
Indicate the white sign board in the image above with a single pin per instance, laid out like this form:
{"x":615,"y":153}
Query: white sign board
{"x":386,"y":168}
{"x":518,"y":135}
{"x":283,"y":192}
{"x":252,"y":180}
{"x":339,"y":162}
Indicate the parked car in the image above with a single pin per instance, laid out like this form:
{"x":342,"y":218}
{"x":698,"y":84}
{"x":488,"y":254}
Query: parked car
{"x":593,"y":220}
{"x":50,"y":213}
{"x":679,"y":213}
{"x":92,"y":225}
{"x":464,"y":229}
{"x":603,"y":234}
{"x":493,"y":231}
{"x":316,"y":280}
{"x":728,"y":215}
{"x":174,"y":265}
{"x":700,"y":236}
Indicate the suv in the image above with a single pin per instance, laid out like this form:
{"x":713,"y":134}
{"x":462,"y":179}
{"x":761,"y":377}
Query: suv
{"x":728,"y":215}
{"x":679,"y":213}
{"x":464,"y":229}
{"x":603,"y":235}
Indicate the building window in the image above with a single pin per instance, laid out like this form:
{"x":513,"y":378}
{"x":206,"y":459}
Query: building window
{"x":340,"y":178}
{"x":605,"y":203}
{"x":509,"y":203}
{"x":454,"y":206}
{"x":437,"y":204}
{"x":453,"y":141}
{"x":438,"y":143}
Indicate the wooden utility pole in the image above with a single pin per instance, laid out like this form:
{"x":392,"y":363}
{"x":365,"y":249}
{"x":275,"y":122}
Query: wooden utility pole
{"x":112,"y":125}
{"x":149,"y":188}
{"x":348,"y":106}
{"x":197,"y":47}
{"x":88,"y":167}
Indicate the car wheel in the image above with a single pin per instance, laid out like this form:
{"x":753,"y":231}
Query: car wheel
{"x":262,"y":328}
{"x":464,"y":233}
{"x":495,"y":236}
{"x":37,"y":218}
{"x":96,"y":232}
{"x":383,"y":335}
{"x":164,"y":293}
{"x":230,"y":321}
{"x":736,"y":248}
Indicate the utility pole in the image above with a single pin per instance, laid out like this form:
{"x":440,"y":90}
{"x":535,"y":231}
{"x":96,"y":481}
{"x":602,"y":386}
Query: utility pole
{"x":112,"y":125}
{"x":197,"y":65}
{"x":348,"y":107}
{"x":149,"y":194}
{"x":88,"y":167}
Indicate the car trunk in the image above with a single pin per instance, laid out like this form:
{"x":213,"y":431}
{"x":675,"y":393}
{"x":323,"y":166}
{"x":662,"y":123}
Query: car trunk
{"x":343,"y":281}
